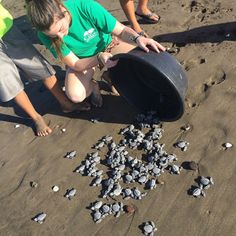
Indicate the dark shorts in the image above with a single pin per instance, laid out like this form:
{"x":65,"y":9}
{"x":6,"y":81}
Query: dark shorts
{"x":17,"y":53}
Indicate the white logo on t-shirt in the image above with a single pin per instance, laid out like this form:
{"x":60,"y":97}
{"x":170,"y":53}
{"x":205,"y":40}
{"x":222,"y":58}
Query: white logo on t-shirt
{"x":90,"y":34}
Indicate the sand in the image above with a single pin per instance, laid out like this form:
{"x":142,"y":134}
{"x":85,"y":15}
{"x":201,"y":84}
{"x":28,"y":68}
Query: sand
{"x":204,"y":33}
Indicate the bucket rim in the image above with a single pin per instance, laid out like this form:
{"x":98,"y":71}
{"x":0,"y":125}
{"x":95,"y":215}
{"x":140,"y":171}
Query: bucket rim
{"x":136,"y":58}
{"x":168,"y":80}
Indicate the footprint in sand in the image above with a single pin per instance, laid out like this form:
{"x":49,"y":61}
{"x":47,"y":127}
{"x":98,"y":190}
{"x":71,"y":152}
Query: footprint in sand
{"x":201,"y":12}
{"x":189,"y":64}
{"x":203,"y":91}
{"x":218,"y":77}
{"x":2,"y":163}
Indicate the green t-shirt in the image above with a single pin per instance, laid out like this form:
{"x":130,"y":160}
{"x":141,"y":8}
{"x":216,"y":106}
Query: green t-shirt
{"x":89,"y":32}
{"x":6,"y":20}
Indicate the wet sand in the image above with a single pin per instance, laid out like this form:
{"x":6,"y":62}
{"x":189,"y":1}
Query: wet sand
{"x":204,"y":33}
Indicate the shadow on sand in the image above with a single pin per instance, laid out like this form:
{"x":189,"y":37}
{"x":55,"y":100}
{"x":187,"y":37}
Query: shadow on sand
{"x":204,"y":34}
{"x":114,"y":110}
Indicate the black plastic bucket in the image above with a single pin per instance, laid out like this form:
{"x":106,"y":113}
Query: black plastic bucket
{"x":151,"y":82}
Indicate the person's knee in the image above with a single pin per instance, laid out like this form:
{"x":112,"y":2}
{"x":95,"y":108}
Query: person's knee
{"x":78,"y":85}
{"x":76,"y":96}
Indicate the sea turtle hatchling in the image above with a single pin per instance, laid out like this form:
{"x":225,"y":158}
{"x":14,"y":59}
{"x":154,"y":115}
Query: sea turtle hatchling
{"x":206,"y":182}
{"x":149,"y":228}
{"x":128,"y":178}
{"x":136,"y":194}
{"x":99,"y":172}
{"x":150,"y":166}
{"x":116,"y":191}
{"x":112,"y":145}
{"x":108,"y":186}
{"x":116,"y":174}
{"x":135,"y":174}
{"x":126,"y":192}
{"x":174,"y":169}
{"x":105,"y":210}
{"x":163,"y":162}
{"x":70,"y":193}
{"x":95,"y":159}
{"x":197,"y":192}
{"x":142,"y":179}
{"x":40,"y":218}
{"x":156,"y":171}
{"x":97,"y":181}
{"x":99,"y":145}
{"x":121,"y":167}
{"x":96,"y":205}
{"x":172,"y":158}
{"x":97,"y":216}
{"x":107,"y":139}
{"x":116,"y":208}
{"x":80,"y":169}
{"x":151,"y":184}
{"x":70,"y":155}
{"x":183,"y":145}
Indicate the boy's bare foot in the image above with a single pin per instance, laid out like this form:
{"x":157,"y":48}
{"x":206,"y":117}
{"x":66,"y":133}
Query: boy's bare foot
{"x":96,"y":97}
{"x":73,"y":107}
{"x":42,"y":128}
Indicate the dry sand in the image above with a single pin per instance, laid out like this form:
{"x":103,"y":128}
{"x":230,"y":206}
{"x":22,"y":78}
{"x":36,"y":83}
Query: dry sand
{"x":205,"y":33}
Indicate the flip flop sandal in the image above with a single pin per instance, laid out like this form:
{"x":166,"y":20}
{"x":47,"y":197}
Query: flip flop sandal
{"x":148,"y":18}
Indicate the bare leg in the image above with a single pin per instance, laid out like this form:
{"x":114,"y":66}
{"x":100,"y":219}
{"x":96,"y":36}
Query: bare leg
{"x":129,"y":10}
{"x":52,"y":84}
{"x":23,"y":101}
{"x":142,"y":9}
{"x":79,"y":85}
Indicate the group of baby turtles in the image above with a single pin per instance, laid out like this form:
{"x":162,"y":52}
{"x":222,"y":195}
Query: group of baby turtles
{"x":203,"y":183}
{"x":127,"y":169}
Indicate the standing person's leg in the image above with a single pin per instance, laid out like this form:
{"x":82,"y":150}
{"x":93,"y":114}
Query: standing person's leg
{"x":20,"y":52}
{"x":144,"y":12}
{"x":129,"y":10}
{"x":23,"y":101}
{"x":11,"y":87}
